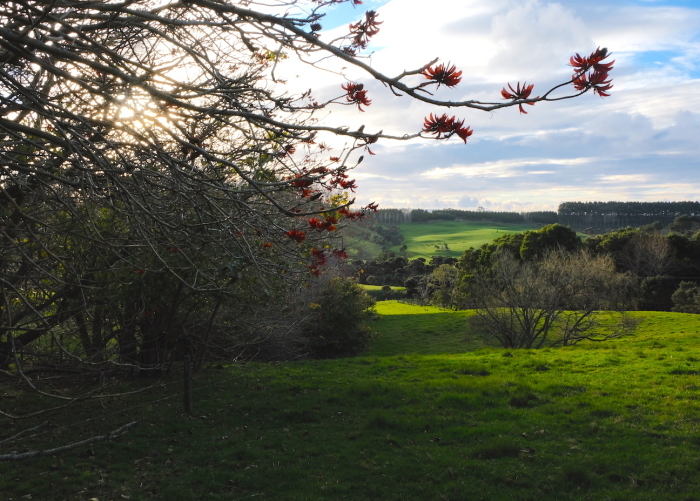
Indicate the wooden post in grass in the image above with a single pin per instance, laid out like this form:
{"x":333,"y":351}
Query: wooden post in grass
{"x":188,"y":385}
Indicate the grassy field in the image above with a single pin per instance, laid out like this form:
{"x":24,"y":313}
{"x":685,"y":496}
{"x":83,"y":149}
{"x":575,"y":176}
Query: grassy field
{"x":422,"y":416}
{"x":379,"y":287}
{"x":421,"y":238}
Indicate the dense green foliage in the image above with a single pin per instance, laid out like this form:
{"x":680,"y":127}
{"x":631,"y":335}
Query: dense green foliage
{"x":341,"y":329}
{"x":414,"y":419}
{"x":686,"y":298}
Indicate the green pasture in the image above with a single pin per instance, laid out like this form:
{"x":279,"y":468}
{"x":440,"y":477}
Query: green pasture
{"x":379,"y":287}
{"x":421,"y":238}
{"x":423,"y":415}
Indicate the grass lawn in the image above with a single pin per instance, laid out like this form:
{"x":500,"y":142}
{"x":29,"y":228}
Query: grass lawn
{"x":421,"y":416}
{"x":421,"y":238}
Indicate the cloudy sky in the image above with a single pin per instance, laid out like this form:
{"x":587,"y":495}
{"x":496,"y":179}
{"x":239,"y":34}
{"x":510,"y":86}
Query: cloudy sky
{"x":641,"y":143}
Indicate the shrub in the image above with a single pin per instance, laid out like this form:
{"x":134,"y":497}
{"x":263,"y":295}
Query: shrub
{"x":686,"y":299}
{"x":340,"y":326}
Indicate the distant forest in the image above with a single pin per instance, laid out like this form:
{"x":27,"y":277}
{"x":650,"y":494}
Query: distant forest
{"x":621,"y":214}
{"x":594,"y":215}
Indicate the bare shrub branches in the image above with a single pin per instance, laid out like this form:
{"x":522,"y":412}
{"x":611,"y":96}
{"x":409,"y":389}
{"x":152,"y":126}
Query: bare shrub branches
{"x":551,"y":301}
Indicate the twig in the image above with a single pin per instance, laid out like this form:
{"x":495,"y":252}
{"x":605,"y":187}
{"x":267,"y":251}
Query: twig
{"x":91,"y":440}
{"x":17,"y":435}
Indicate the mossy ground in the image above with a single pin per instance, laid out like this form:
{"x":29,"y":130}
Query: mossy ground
{"x":416,"y":418}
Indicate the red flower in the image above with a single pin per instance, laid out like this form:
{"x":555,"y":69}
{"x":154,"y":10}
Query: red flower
{"x":340,"y":253}
{"x":356,"y":95}
{"x":319,"y":258}
{"x":267,"y":244}
{"x":598,"y":81}
{"x":362,"y":31}
{"x":445,"y":127}
{"x":302,"y":182}
{"x":174,"y":249}
{"x":443,"y":74}
{"x":141,"y":272}
{"x":372,"y":207}
{"x":592,"y":61}
{"x":352,"y":216}
{"x":296,"y":235}
{"x":518,"y":93}
{"x":288,"y":149}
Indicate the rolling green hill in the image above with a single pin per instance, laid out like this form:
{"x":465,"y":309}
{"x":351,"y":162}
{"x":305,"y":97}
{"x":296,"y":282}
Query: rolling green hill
{"x":422,"y":238}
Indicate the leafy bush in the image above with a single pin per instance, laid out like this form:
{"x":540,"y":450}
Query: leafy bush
{"x":339,"y":328}
{"x":686,"y":299}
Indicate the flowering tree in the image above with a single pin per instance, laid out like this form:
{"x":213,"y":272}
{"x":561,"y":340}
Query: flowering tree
{"x":153,"y":163}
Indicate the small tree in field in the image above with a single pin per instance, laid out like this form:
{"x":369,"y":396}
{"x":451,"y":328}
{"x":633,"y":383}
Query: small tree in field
{"x":547,"y":302}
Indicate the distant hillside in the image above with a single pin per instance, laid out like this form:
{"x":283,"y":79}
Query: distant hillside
{"x":452,"y":238}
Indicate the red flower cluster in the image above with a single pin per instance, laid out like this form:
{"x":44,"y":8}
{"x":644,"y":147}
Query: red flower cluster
{"x":288,"y":149}
{"x":443,"y":74}
{"x":362,"y":31}
{"x":341,"y":181}
{"x":372,"y":207}
{"x":327,"y":224}
{"x":296,"y":235}
{"x":319,"y":257}
{"x":340,"y":253}
{"x":445,"y":127}
{"x":597,"y":80}
{"x":351,"y":215}
{"x":518,"y":93}
{"x":302,"y":180}
{"x":356,"y":94}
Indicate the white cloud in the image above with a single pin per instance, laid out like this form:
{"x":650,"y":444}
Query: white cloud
{"x":500,"y":168}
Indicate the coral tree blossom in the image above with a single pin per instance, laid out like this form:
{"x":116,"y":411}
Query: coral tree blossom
{"x":518,"y":93}
{"x":296,"y":235}
{"x":356,"y":94}
{"x":444,"y":127}
{"x":598,"y":79}
{"x":362,"y":31}
{"x":443,"y":74}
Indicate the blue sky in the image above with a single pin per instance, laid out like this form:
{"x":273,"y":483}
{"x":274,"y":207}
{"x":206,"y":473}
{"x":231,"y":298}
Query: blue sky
{"x":641,"y":143}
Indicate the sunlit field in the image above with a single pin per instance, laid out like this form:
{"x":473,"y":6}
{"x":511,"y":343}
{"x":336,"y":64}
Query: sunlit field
{"x":423,"y":415}
{"x":422,"y":238}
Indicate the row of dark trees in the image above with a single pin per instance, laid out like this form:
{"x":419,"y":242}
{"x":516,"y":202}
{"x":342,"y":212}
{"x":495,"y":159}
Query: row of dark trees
{"x":421,"y":216}
{"x":615,"y":215}
{"x":595,"y":215}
